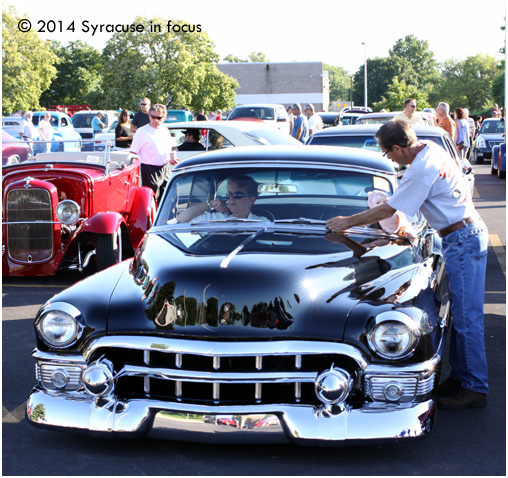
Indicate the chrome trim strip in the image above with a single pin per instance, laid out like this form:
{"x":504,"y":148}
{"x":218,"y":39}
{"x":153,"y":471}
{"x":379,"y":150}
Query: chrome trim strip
{"x":219,"y":349}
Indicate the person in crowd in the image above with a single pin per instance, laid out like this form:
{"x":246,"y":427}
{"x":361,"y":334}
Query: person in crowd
{"x":155,"y":147}
{"x":97,"y":124}
{"x":472,"y":128}
{"x":444,"y":119}
{"x":242,"y":192}
{"x":123,"y":135}
{"x":201,"y":115}
{"x":315,"y":123}
{"x":291,"y":118}
{"x":18,"y":114}
{"x":300,"y":127}
{"x":191,"y":141}
{"x":46,"y":131}
{"x":141,"y":118}
{"x":496,"y":112}
{"x":462,"y":126}
{"x":67,"y":112}
{"x":447,"y":206}
{"x":27,"y":130}
{"x":218,"y":115}
{"x":211,"y":116}
{"x":409,"y":114}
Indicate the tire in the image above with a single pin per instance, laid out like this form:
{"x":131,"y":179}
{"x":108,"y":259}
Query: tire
{"x":109,"y":250}
{"x":500,"y":173}
{"x":493,"y":163}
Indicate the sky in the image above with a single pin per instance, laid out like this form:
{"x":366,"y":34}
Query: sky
{"x":331,"y":31}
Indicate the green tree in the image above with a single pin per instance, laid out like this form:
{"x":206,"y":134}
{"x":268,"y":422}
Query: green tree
{"x":468,"y":83}
{"x":379,"y":76}
{"x":339,"y":83}
{"x":27,"y":65}
{"x":172,"y":68}
{"x":397,"y":93}
{"x":254,"y":57}
{"x":78,"y":79}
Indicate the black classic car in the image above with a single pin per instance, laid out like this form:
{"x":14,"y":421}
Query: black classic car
{"x":240,"y":304}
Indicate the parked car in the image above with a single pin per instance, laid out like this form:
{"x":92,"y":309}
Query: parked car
{"x":336,"y":337}
{"x":10,"y":124}
{"x":275,"y":115}
{"x":102,"y":138}
{"x":65,"y":137}
{"x":175,"y":116}
{"x":363,"y":136}
{"x":491,"y":134}
{"x":350,"y":116}
{"x":329,"y":118}
{"x":69,"y":210}
{"x":14,"y":150}
{"x":380,"y":118}
{"x":229,"y":134}
{"x":498,"y":163}
{"x":82,"y":121}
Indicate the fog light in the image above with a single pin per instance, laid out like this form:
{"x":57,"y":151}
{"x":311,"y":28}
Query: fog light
{"x":98,"y":379}
{"x":393,"y":391}
{"x":332,"y":386}
{"x":60,"y":378}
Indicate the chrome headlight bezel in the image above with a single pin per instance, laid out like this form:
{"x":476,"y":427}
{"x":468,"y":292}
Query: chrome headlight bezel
{"x":59,"y":325}
{"x":396,"y":330}
{"x":68,"y":211}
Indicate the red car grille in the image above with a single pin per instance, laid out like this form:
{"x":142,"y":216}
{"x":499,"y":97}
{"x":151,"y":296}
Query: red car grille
{"x":31,"y":239}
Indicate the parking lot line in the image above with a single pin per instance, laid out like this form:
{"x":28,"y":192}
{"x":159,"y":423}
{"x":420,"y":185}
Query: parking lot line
{"x":497,"y":245}
{"x":15,"y":416}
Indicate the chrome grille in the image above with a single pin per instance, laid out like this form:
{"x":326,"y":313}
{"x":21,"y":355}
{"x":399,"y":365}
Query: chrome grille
{"x":412,"y":386}
{"x":494,"y":143}
{"x":241,"y":377}
{"x":44,"y":373}
{"x":32,"y":239}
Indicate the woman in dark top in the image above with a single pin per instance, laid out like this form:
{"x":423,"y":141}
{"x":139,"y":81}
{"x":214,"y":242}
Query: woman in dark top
{"x":123,"y":136}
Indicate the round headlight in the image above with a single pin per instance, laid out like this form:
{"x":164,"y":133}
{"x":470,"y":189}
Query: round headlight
{"x":393,"y":339}
{"x":68,"y":211}
{"x":58,"y":328}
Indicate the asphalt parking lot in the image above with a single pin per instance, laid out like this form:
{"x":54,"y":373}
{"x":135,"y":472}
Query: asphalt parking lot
{"x":470,"y":442}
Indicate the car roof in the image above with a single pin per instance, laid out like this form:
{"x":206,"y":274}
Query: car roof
{"x":306,"y":155}
{"x":358,"y":129}
{"x":231,"y":125}
{"x":95,"y":112}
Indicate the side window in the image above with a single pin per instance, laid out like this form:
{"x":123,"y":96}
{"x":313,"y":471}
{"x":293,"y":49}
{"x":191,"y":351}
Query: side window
{"x":215,"y":140}
{"x":63,"y":122}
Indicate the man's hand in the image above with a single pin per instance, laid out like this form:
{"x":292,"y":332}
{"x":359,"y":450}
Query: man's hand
{"x":446,"y":170}
{"x":219,"y":206}
{"x":338,"y":223}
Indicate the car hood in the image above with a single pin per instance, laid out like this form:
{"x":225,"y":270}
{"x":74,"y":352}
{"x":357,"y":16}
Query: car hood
{"x":271,"y":284}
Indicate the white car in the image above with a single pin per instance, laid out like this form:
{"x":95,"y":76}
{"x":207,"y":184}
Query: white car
{"x":101,"y":138}
{"x":276,"y":115}
{"x":228,"y":134}
{"x":82,"y":122}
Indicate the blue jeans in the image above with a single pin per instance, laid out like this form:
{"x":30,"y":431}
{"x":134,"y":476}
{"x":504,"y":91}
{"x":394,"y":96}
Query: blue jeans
{"x":465,"y":258}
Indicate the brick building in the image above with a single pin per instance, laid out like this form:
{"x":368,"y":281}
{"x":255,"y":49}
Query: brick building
{"x":281,"y":83}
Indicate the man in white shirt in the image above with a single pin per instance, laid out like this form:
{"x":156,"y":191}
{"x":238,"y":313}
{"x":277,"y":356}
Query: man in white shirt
{"x":155,"y":147}
{"x":46,"y":131}
{"x":315,"y":122}
{"x":448,"y":208}
{"x":409,"y":114}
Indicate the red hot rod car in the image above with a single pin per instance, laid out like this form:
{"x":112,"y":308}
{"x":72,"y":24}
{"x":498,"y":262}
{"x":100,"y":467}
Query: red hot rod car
{"x":68,"y":210}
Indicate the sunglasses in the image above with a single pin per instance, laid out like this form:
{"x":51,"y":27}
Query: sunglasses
{"x":157,"y":117}
{"x":387,"y":151}
{"x":237,"y":195}
{"x":144,"y":104}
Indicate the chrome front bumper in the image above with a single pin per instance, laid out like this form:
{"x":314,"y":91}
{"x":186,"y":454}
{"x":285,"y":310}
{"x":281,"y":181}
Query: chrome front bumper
{"x":231,"y":424}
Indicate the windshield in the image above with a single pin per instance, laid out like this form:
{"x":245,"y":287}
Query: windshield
{"x":84,"y":120}
{"x":277,"y":194}
{"x":492,"y":127}
{"x":359,"y":141}
{"x":259,"y":112}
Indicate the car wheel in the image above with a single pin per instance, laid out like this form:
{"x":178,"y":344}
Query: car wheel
{"x":493,"y":162}
{"x":109,"y":250}
{"x":13,"y":159}
{"x":500,"y":173}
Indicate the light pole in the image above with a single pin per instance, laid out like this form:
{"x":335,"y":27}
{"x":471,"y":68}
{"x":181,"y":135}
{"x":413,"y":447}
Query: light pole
{"x":365,"y":75}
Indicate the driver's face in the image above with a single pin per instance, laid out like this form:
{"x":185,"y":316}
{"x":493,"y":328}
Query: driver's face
{"x":239,"y":207}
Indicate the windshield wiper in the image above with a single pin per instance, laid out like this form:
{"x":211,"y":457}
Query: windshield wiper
{"x":301,"y":220}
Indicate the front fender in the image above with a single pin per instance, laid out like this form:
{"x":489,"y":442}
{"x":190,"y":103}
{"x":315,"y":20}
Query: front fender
{"x":103,"y":223}
{"x":142,"y":214}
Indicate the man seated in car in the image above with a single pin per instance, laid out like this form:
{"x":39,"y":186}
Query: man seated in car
{"x":191,"y":142}
{"x":242,"y":192}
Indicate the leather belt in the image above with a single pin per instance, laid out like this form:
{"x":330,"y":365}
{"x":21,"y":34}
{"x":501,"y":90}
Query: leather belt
{"x":455,"y":227}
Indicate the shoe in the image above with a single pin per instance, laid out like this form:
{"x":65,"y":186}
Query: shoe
{"x":463,"y":399}
{"x":447,"y":387}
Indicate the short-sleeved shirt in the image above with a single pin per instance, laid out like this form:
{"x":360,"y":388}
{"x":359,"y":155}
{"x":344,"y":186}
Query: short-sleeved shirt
{"x":415,"y":119}
{"x":315,"y":123}
{"x":27,"y":129}
{"x":153,"y":145}
{"x":97,"y":124}
{"x":140,"y":119}
{"x":443,"y":201}
{"x":47,"y":129}
{"x":300,"y":122}
{"x":448,"y":125}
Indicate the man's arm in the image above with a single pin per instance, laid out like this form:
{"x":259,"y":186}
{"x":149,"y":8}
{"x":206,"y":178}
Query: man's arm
{"x":371,"y":216}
